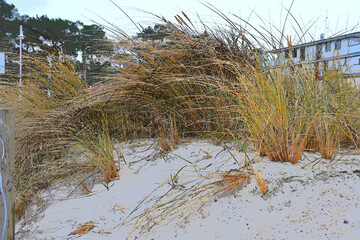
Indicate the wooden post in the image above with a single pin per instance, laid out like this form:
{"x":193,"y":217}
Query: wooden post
{"x":7,"y":172}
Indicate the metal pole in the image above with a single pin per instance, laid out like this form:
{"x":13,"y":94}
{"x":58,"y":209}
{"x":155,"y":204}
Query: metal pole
{"x":49,"y":77}
{"x":21,"y":37}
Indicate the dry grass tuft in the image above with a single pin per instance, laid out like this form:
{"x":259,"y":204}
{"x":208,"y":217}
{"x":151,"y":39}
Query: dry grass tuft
{"x":260,"y":180}
{"x":228,"y":182}
{"x":181,"y":199}
{"x":83,"y":229}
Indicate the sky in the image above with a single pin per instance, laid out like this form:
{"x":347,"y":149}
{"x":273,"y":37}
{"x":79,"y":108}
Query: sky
{"x":325,"y":16}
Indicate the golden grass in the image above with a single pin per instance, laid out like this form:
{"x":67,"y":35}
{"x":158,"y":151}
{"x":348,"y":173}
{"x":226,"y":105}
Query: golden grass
{"x":97,"y":145}
{"x":197,"y":84}
{"x":328,"y":137}
{"x":180,"y":201}
{"x":83,"y":229}
{"x":259,"y":179}
{"x":228,"y":182}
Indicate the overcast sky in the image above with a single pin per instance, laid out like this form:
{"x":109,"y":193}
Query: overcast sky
{"x":339,"y":14}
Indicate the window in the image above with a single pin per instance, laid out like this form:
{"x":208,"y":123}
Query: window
{"x":302,"y":53}
{"x":327,"y":46}
{"x":337,"y":44}
{"x":318,"y":52}
{"x":345,"y":62}
{"x":286,"y":52}
{"x":353,"y":42}
{"x":294,"y":53}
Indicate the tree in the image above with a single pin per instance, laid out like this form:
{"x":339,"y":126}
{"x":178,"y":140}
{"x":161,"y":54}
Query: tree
{"x":93,"y":46}
{"x":158,"y":32}
{"x":8,"y":14}
{"x":75,"y":39}
{"x":7,"y":11}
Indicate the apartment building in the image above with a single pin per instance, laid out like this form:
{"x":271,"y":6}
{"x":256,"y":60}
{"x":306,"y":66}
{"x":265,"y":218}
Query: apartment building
{"x":340,"y":52}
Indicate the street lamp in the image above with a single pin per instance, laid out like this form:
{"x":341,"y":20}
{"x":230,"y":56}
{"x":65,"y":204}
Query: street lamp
{"x":21,"y":37}
{"x":49,"y":77}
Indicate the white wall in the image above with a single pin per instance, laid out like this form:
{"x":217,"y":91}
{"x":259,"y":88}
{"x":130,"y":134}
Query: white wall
{"x":2,"y":63}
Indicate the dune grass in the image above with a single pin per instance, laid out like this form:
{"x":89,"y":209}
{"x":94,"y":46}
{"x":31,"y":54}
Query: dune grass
{"x":95,"y":142}
{"x":213,"y":83}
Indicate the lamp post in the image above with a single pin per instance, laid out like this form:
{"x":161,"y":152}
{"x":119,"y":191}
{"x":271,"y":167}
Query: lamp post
{"x":21,"y":37}
{"x":49,"y":77}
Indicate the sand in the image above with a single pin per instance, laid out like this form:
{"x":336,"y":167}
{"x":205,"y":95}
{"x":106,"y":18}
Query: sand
{"x":313,"y":199}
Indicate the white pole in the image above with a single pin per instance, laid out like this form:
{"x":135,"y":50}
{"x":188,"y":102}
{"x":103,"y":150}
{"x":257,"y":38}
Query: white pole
{"x":21,"y":37}
{"x":49,"y":77}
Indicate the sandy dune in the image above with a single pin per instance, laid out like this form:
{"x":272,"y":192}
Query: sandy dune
{"x":314,"y":199}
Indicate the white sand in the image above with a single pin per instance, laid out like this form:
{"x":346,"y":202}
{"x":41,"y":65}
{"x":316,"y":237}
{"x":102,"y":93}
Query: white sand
{"x":315,"y":201}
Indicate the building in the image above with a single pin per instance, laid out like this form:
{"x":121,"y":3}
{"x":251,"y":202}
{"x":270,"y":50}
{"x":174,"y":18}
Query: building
{"x":340,"y":52}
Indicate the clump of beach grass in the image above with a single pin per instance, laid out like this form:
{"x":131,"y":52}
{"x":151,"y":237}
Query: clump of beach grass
{"x":277,"y":105}
{"x":197,"y":83}
{"x":51,"y":126}
{"x":94,"y":141}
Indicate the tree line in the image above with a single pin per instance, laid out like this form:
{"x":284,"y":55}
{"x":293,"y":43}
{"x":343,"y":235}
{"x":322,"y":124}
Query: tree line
{"x":86,"y":45}
{"x":83,"y":43}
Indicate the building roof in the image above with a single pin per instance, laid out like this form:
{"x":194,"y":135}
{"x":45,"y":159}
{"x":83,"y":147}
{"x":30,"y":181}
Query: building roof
{"x":339,"y":37}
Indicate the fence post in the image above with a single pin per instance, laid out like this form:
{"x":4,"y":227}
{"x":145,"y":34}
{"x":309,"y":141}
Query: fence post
{"x":7,"y":172}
